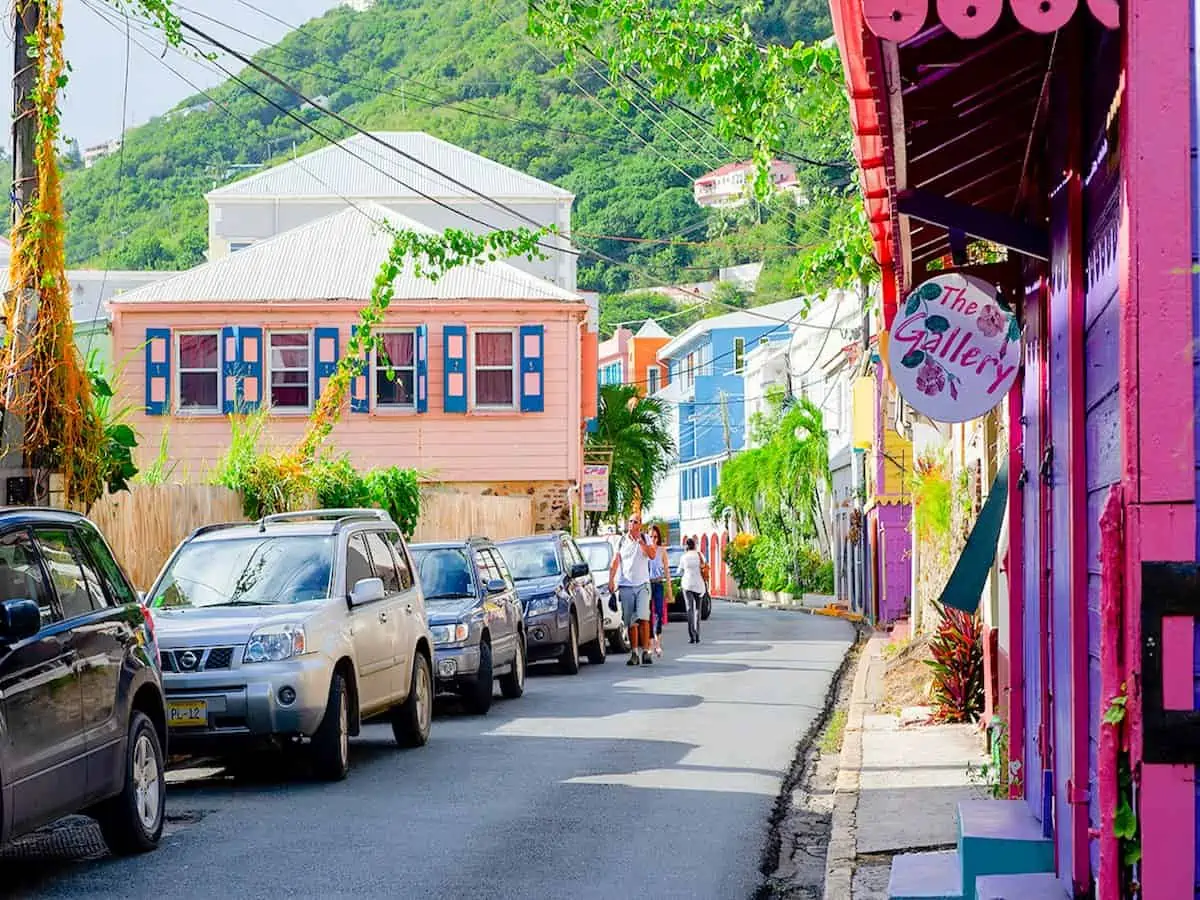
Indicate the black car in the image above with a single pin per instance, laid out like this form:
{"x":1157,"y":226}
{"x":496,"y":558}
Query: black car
{"x":562,"y":607}
{"x":678,"y":609}
{"x":476,"y":619}
{"x":82,"y":717}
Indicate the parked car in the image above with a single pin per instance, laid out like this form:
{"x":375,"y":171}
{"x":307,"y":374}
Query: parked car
{"x":294,"y":630}
{"x":678,"y":609}
{"x":598,"y":551}
{"x":476,"y":617}
{"x":82,"y":716}
{"x":562,"y":607}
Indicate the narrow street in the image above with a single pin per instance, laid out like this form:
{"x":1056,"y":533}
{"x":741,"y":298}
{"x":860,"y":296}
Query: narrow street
{"x":619,"y":782}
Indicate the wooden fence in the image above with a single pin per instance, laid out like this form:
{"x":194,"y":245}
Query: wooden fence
{"x":145,"y":525}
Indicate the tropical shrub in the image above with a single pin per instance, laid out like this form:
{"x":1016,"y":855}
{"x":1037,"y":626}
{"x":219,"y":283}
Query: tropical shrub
{"x":957,"y":663}
{"x":739,"y":557}
{"x":815,"y":573}
{"x":338,"y":485}
{"x":398,"y":492}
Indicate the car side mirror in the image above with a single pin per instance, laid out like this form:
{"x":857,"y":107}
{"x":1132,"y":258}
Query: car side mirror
{"x":19,"y":619}
{"x":579,"y":570}
{"x":496,"y":586}
{"x":367,"y":590}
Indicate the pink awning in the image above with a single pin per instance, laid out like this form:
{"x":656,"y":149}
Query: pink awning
{"x":900,"y":20}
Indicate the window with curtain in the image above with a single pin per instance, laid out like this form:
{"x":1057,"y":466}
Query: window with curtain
{"x":495,"y":369}
{"x":396,"y":370}
{"x":291,"y":369}
{"x":652,"y":380}
{"x":199,"y":371}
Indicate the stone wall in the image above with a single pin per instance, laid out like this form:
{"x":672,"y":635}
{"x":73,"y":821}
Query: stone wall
{"x":551,"y":499}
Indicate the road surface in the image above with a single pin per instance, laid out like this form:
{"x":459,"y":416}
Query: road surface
{"x":619,"y":782}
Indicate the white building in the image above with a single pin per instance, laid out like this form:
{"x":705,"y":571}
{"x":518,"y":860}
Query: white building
{"x":99,"y":151}
{"x":731,"y":184}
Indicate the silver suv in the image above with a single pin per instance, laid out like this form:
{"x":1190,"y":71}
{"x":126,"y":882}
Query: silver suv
{"x":294,"y":629}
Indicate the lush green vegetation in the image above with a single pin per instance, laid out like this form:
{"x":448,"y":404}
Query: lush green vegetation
{"x":471,"y":75}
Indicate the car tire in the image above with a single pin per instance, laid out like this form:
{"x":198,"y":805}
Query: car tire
{"x":705,"y":608}
{"x":132,"y":821}
{"x":331,"y":742}
{"x":597,"y":650}
{"x":411,"y":719}
{"x":477,"y":696}
{"x":618,"y":641}
{"x":568,"y":662}
{"x":512,"y":684}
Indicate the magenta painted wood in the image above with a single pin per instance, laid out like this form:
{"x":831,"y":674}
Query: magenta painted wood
{"x":1032,"y":496}
{"x":1015,"y":572}
{"x":1111,"y":674}
{"x":1178,"y":657}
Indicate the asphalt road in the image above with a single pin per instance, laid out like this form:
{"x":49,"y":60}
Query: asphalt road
{"x":619,"y":782}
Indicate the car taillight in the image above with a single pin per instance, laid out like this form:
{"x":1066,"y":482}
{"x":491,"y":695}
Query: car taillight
{"x":149,"y":620}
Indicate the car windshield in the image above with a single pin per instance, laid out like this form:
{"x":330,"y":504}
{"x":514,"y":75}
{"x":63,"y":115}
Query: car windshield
{"x":674,"y":555}
{"x":599,"y":555}
{"x":531,"y":560}
{"x":254,"y":571}
{"x":444,"y":572}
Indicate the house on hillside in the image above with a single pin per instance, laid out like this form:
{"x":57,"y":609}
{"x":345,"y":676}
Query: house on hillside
{"x":482,"y":386}
{"x":400,"y":171}
{"x":646,"y":372}
{"x":731,"y":184}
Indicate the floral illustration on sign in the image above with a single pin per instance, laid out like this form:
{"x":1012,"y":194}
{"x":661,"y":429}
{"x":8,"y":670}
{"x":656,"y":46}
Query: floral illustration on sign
{"x":991,"y":321}
{"x":931,"y":379}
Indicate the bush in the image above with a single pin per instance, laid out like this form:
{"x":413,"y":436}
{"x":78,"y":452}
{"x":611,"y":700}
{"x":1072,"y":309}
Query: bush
{"x":957,"y":665}
{"x":337,"y":485}
{"x":816,"y":573}
{"x":743,"y":566}
{"x":397,"y":491}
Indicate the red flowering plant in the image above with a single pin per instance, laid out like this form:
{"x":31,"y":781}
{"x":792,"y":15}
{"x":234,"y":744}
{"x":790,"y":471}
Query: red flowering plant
{"x":957,"y":650}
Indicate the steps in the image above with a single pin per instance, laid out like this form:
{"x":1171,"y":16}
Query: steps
{"x":1043,"y":886}
{"x":995,"y":838}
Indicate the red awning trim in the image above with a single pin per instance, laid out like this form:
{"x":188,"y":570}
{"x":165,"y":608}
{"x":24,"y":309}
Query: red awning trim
{"x":900,"y":20}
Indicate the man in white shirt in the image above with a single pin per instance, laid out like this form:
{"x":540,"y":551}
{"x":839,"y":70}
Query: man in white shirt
{"x":632,"y":563}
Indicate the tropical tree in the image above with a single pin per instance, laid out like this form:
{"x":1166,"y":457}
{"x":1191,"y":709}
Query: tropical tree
{"x":634,"y":429}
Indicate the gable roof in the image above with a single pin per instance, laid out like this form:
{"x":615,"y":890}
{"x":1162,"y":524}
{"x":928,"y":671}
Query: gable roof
{"x":331,"y":172}
{"x":651,"y":329}
{"x":337,"y":258}
{"x":776,"y":318}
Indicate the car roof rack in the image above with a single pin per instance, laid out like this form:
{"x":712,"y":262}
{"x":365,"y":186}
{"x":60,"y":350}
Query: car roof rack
{"x":341,"y":516}
{"x":479,"y":537}
{"x":218,"y":526}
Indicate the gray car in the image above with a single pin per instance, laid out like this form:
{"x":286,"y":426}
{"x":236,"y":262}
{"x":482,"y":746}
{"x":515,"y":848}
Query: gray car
{"x":294,"y":630}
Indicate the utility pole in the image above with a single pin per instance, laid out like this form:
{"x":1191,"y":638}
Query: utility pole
{"x":23,"y":305}
{"x":725,"y":426}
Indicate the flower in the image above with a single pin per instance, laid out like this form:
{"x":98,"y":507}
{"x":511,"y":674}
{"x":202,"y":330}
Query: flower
{"x":931,"y":379}
{"x":991,"y":321}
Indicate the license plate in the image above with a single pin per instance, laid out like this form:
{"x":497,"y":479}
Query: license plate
{"x":187,"y":713}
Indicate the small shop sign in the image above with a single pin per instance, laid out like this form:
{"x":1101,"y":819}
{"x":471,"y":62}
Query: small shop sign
{"x":595,"y":488}
{"x":953,"y":351}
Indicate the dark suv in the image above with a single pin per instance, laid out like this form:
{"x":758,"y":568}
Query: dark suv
{"x":82,"y":717}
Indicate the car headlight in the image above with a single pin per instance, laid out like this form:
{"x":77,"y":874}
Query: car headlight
{"x":450,"y":634}
{"x":275,"y":643}
{"x":543,"y":604}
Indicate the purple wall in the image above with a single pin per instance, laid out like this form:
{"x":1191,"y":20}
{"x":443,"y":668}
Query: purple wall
{"x":1031,"y":775}
{"x":895,"y":550}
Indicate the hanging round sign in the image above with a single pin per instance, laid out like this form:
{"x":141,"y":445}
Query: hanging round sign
{"x":952,"y":350}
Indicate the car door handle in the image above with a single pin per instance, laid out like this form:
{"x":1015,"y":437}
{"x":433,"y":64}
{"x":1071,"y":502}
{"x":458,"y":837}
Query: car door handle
{"x":383,"y":616}
{"x":408,"y":609}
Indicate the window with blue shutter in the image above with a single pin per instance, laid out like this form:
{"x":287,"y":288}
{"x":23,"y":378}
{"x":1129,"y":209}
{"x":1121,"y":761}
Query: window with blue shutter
{"x":422,"y":368}
{"x":158,"y":371}
{"x":250,"y":386}
{"x":326,"y":352}
{"x":533,"y":377}
{"x":360,"y":388}
{"x":230,"y":370}
{"x":454,"y":359}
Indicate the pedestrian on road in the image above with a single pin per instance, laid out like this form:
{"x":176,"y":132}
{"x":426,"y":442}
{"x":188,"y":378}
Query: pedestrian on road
{"x":691,"y":568}
{"x":662,"y":595}
{"x":632,"y":563}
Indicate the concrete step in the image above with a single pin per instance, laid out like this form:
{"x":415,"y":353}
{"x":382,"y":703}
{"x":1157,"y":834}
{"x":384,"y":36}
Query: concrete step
{"x":1043,"y":886}
{"x":1000,"y":837}
{"x":926,"y":876}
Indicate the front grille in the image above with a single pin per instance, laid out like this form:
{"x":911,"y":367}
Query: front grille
{"x":206,"y":659}
{"x":219,"y":658}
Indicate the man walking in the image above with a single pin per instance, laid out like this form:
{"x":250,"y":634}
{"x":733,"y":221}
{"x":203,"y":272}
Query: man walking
{"x":632,"y":563}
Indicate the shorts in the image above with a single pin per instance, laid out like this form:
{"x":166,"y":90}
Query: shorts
{"x":635,"y":604}
{"x":658,"y":602}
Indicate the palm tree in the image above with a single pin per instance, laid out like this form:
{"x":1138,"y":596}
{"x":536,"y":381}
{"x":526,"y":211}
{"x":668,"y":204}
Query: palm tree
{"x":634,"y":428}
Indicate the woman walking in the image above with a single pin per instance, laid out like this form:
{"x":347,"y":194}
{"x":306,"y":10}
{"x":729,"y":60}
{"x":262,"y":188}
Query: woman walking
{"x":662,"y":595}
{"x":691,"y":568}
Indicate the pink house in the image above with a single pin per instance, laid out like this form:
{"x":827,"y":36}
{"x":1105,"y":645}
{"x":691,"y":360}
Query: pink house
{"x":613,"y":360}
{"x":481,"y":387}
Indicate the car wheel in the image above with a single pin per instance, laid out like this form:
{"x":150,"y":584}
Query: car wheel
{"x":618,"y":641}
{"x":132,"y":821}
{"x":597,"y":650}
{"x":477,"y":696}
{"x":568,"y":662}
{"x":411,"y":719}
{"x":705,"y":608}
{"x":331,"y":742}
{"x":512,"y":684}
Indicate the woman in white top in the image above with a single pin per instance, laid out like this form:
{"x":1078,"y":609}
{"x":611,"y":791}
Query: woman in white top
{"x":691,"y":568}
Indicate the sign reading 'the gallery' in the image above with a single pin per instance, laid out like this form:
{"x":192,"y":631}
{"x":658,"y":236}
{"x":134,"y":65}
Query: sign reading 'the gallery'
{"x":953,"y":351}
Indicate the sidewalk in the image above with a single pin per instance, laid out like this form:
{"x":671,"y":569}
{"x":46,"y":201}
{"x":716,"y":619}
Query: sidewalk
{"x":897,"y":789}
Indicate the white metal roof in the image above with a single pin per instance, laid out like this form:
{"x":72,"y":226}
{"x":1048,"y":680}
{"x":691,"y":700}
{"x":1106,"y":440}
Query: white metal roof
{"x":332,"y":172}
{"x":337,"y":258}
{"x":652,"y":329}
{"x":770,"y":316}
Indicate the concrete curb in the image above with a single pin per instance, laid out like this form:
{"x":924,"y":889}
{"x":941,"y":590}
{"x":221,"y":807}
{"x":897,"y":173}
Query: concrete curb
{"x":842,"y":853}
{"x":795,"y":607}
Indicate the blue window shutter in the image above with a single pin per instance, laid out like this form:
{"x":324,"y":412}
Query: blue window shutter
{"x":533,"y":377}
{"x":251,"y":387}
{"x":158,"y":371}
{"x":230,"y":369}
{"x":360,"y":385}
{"x":326,"y":352}
{"x":422,"y":356}
{"x":454,"y":358}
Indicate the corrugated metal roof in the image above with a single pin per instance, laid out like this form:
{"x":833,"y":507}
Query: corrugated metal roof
{"x":332,"y":172}
{"x":337,"y":258}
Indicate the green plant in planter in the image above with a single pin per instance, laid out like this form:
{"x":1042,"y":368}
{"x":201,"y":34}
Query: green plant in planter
{"x":957,"y":649}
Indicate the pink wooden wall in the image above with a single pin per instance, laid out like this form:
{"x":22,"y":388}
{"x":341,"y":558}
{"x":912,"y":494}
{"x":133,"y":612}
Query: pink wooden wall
{"x":476,"y":446}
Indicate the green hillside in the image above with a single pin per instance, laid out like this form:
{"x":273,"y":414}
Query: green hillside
{"x":467,"y":73}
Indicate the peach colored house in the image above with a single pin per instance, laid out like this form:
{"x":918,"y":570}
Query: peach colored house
{"x":487,"y":393}
{"x":645,"y":371}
